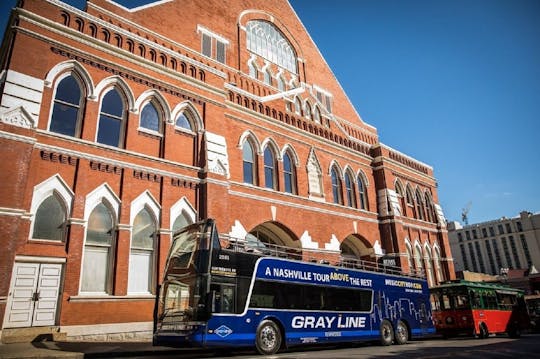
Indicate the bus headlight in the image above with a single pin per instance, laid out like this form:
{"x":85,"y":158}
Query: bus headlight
{"x":449,"y":320}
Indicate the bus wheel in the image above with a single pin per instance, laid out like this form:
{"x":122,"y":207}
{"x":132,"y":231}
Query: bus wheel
{"x":484,"y":333}
{"x":268,"y":339}
{"x":387,"y":333}
{"x":402,"y":333}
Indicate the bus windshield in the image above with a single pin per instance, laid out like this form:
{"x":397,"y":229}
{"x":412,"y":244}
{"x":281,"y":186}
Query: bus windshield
{"x":183,"y":292}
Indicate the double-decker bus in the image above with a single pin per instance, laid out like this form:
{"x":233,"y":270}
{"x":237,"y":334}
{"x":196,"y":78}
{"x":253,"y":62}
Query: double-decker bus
{"x":478,"y":309}
{"x":220,"y":292}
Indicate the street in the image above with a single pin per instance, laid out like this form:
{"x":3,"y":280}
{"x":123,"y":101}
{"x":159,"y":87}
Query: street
{"x":528,"y":346}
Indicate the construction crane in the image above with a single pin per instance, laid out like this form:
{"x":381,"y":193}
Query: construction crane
{"x":465,"y":212}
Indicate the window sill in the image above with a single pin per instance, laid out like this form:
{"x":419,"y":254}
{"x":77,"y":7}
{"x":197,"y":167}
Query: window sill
{"x":148,"y":132}
{"x":47,"y":241}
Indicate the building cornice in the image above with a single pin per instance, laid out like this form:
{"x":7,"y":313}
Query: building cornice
{"x":138,"y":38}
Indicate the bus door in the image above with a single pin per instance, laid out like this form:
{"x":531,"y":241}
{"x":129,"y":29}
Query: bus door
{"x":224,"y":298}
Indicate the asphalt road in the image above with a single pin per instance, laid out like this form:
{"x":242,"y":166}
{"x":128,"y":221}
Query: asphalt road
{"x":528,"y":346}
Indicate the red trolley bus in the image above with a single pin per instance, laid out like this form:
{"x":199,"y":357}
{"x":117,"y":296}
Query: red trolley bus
{"x":479,"y":309}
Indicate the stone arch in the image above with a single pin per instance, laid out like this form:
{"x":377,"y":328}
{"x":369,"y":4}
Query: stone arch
{"x":112,"y":81}
{"x":71,"y":66}
{"x":249,"y":135}
{"x":356,"y":247}
{"x":192,"y":110}
{"x":273,"y":145}
{"x":290,"y":149}
{"x":182,"y":208}
{"x":153,"y":94}
{"x":273,"y":232}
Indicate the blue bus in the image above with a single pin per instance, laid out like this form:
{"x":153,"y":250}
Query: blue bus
{"x":224,"y":293}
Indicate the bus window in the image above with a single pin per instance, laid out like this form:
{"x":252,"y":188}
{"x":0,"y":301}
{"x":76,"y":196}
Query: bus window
{"x":445,"y":303}
{"x":223,"y":299}
{"x":462,"y":301}
{"x":435,"y":301}
{"x":506,"y":300}
{"x":476,"y":302}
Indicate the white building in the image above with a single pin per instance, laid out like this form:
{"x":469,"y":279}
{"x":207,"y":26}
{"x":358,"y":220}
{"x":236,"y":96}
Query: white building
{"x":489,"y":247}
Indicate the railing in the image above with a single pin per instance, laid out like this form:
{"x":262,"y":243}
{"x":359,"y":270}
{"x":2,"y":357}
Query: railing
{"x":320,"y":256}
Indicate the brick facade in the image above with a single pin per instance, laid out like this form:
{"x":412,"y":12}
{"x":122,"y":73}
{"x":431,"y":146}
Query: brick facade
{"x":153,"y":55}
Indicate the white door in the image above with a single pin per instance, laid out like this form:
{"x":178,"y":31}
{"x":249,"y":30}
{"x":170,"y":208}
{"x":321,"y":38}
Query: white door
{"x":33,"y":296}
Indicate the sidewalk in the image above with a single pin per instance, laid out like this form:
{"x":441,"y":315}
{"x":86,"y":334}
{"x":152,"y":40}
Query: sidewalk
{"x":50,"y":349}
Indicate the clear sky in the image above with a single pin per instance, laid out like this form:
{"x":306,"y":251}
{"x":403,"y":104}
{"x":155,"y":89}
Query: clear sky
{"x":454,"y":84}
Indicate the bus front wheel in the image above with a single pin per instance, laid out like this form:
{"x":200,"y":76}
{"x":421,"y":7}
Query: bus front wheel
{"x":402,"y":333}
{"x":387,"y":333}
{"x":268,"y":338}
{"x":484,"y":332}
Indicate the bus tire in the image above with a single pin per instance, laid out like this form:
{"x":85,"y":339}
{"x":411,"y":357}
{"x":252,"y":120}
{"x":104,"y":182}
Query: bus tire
{"x":387,"y":333}
{"x":268,"y":340}
{"x":484,"y":332}
{"x":401,"y":334}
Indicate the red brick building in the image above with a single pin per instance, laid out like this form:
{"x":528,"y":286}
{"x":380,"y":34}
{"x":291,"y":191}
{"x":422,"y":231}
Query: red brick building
{"x":118,"y":126}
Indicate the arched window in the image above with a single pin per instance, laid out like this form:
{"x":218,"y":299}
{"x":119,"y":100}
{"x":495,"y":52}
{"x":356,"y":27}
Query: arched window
{"x":180,"y":222}
{"x":437,"y":263}
{"x":98,"y":251}
{"x":268,"y":77}
{"x":418,"y":260}
{"x":362,"y":194}
{"x":150,"y":118}
{"x":66,"y":115}
{"x":336,"y":187}
{"x":297,"y":106}
{"x":429,"y":268}
{"x":249,"y":161}
{"x":409,"y":258}
{"x":265,"y":40}
{"x":50,"y":220}
{"x":410,"y":202}
{"x":401,"y":197}
{"x":419,"y":205}
{"x":317,"y":114}
{"x":349,"y":188}
{"x":112,"y":119}
{"x":141,"y":261}
{"x":270,"y":168}
{"x":307,"y":111}
{"x":289,"y":174}
{"x":183,"y":121}
{"x":430,"y":213}
{"x":253,"y":72}
{"x":280,"y":83}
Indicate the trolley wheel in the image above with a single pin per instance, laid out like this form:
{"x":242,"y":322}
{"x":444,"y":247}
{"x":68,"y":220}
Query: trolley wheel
{"x":268,"y":340}
{"x":401,"y":333}
{"x":484,"y":332}
{"x":387,"y":333}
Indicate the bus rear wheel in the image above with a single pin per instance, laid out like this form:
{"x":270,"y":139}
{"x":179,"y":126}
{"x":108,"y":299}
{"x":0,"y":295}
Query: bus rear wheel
{"x":484,"y":332}
{"x":268,"y":339}
{"x":402,"y":333}
{"x":387,"y":333}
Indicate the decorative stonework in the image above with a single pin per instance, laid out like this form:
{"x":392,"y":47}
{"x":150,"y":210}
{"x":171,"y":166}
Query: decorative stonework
{"x":314,"y":176}
{"x":216,"y":154}
{"x":17,"y":117}
{"x":440,"y":215}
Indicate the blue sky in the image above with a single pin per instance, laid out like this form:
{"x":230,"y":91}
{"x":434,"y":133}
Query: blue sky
{"x":454,"y":84}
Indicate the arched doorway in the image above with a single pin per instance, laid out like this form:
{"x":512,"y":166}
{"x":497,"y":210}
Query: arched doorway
{"x":275,"y":238}
{"x":357,"y":249}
